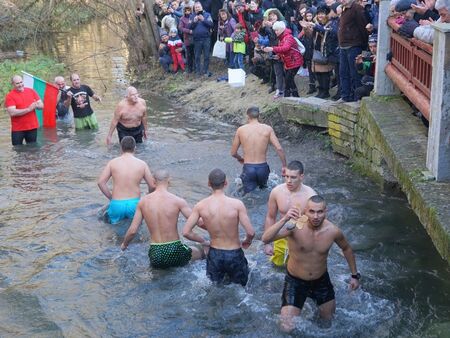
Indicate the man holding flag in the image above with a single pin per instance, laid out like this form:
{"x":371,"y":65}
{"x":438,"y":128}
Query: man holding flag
{"x":20,"y":104}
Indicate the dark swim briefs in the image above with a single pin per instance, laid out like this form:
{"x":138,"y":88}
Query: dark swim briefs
{"x":296,"y":290}
{"x":231,"y":263}
{"x":169,"y":254}
{"x":136,"y":132}
{"x":255,"y":175}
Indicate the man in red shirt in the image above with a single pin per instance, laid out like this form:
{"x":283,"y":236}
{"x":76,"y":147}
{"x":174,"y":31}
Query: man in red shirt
{"x":20,"y":104}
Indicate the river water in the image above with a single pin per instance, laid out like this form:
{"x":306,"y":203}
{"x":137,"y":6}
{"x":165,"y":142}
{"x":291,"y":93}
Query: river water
{"x":62,"y":272}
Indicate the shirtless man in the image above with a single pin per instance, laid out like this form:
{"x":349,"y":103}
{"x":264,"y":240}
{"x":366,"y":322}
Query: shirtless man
{"x":130,"y":117}
{"x":255,"y":138}
{"x":221,"y":216}
{"x":292,"y":193}
{"x":161,"y":209}
{"x":127,"y":173}
{"x":307,"y":274}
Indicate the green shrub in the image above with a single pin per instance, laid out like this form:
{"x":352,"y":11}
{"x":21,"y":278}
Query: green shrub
{"x":41,"y":66}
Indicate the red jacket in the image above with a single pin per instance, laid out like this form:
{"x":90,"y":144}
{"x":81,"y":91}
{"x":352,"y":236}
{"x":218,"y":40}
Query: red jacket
{"x":287,"y":50}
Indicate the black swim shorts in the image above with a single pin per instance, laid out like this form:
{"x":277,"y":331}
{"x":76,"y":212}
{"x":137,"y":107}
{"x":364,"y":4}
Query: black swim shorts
{"x":230,"y":263}
{"x":136,"y":132}
{"x":255,"y":175}
{"x":296,"y":290}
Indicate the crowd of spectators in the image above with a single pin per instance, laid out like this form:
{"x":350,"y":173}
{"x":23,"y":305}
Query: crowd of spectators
{"x":333,"y":43}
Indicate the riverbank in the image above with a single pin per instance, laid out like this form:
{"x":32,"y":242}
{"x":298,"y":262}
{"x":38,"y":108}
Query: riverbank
{"x":218,"y":99}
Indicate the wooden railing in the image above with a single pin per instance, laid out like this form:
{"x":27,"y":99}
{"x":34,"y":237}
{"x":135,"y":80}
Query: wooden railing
{"x":411,"y":68}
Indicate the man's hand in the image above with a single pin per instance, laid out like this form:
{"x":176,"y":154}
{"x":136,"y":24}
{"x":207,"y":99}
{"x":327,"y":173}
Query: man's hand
{"x":283,"y":171}
{"x":354,"y":283}
{"x":369,"y":27}
{"x":32,"y":106}
{"x":293,"y":213}
{"x":359,"y":59}
{"x":246,"y":244}
{"x":268,"y":249}
{"x":123,"y":247}
{"x":108,"y":140}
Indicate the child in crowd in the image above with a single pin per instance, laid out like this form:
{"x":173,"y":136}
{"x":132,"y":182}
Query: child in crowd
{"x":176,"y":47}
{"x":239,"y":47}
{"x":165,"y":59}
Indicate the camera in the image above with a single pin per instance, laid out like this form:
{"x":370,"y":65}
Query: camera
{"x":200,"y":13}
{"x":366,"y":56}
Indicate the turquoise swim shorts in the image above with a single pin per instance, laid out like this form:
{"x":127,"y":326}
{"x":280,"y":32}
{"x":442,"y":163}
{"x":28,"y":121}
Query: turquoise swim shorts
{"x":120,"y":209}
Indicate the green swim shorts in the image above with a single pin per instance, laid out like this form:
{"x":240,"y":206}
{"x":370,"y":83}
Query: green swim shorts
{"x":87,"y":122}
{"x":169,"y":254}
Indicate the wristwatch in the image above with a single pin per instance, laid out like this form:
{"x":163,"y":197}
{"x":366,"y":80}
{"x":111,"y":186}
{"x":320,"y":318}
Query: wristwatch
{"x":357,"y":276}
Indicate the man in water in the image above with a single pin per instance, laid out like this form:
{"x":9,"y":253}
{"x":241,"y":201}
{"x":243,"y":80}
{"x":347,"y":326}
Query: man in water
{"x":306,"y":276}
{"x":127,"y":173}
{"x":292,"y":193}
{"x":79,"y":94}
{"x":63,"y":101}
{"x":160,"y":210}
{"x":255,"y":138}
{"x":21,"y":104}
{"x":221,"y":216}
{"x":130,"y":117}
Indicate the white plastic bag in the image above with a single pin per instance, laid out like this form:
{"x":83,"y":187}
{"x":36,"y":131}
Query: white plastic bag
{"x":303,"y":72}
{"x":236,"y":77}
{"x":219,"y":50}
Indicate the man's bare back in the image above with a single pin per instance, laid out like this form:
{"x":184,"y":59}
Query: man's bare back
{"x":254,"y":139}
{"x":127,"y":173}
{"x":160,"y":210}
{"x":221,"y":216}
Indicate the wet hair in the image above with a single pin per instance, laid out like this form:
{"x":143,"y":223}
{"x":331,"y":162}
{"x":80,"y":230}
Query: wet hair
{"x":296,"y":165}
{"x":161,"y":175}
{"x":253,"y":112}
{"x":318,"y":199}
{"x":216,"y":179}
{"x":128,"y":144}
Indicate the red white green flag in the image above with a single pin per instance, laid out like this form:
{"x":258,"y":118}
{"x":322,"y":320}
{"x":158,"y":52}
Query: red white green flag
{"x":48,"y":94}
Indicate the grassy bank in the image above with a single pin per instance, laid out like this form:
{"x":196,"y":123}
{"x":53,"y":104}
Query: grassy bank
{"x":41,"y":66}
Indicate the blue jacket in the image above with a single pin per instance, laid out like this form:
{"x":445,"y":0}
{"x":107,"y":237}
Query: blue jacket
{"x":201,"y":29}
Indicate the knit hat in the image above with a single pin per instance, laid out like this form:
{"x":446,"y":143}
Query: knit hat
{"x":373,"y":38}
{"x":323,"y":9}
{"x":173,"y":30}
{"x":404,"y":5}
{"x":334,"y":7}
{"x":163,"y":33}
{"x":279,"y":25}
{"x":238,"y":3}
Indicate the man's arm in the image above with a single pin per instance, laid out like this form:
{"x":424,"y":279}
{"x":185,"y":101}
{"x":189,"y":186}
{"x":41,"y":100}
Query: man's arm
{"x":273,"y":232}
{"x":134,"y":227}
{"x":235,"y":146}
{"x":276,"y":144}
{"x":103,"y":180}
{"x":13,"y":111}
{"x":272,"y":210}
{"x":148,"y":177}
{"x":341,"y":241}
{"x":247,"y":224}
{"x":144,"y":118}
{"x":190,"y":225}
{"x":113,"y":125}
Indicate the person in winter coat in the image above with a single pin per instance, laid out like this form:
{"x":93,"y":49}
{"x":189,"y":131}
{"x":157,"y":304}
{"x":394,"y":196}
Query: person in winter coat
{"x":183,"y":27}
{"x":176,"y":47}
{"x":288,"y":51}
{"x":226,"y":28}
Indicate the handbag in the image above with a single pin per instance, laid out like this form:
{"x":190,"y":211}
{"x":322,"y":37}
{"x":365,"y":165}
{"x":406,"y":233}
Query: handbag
{"x":319,"y":58}
{"x":219,"y":50}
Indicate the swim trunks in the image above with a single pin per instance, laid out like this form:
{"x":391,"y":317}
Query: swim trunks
{"x":280,"y":252}
{"x":87,"y":122}
{"x":169,"y":254}
{"x":255,"y":175}
{"x":231,"y":263}
{"x":296,"y":290}
{"x":136,"y":132}
{"x":120,"y":209}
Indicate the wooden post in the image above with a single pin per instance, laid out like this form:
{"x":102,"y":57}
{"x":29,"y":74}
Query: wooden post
{"x":438,"y":151}
{"x":383,"y":84}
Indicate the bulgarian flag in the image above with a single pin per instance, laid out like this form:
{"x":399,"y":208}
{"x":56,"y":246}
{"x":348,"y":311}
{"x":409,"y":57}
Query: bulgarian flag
{"x":48,"y":94}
